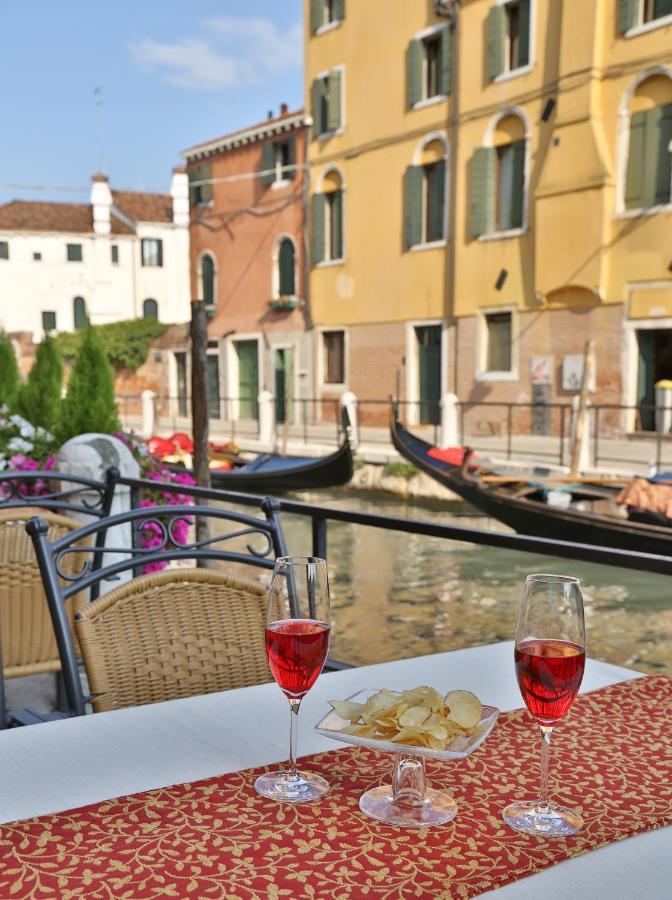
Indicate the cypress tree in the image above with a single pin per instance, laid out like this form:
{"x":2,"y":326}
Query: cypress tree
{"x":9,"y":372}
{"x":89,"y":403}
{"x":39,"y":398}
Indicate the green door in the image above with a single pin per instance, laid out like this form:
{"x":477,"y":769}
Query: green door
{"x":248,"y":378}
{"x":646,"y":341}
{"x":429,"y":372}
{"x":212,"y":385}
{"x":181,"y":364}
{"x":284,"y":373}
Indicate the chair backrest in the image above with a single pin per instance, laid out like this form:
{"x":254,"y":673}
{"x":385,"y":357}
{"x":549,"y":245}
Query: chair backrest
{"x":262,"y":537}
{"x":173,"y":634}
{"x":58,"y":492}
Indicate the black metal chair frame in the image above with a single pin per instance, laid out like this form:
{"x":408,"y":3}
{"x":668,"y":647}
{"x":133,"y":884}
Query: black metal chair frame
{"x":59,"y":585}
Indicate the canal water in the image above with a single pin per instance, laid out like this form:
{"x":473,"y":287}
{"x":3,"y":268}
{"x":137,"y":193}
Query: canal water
{"x":397,"y":595}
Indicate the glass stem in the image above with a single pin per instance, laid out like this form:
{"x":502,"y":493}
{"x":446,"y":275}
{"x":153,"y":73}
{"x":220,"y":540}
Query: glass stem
{"x":546,"y":732}
{"x":294,"y":705}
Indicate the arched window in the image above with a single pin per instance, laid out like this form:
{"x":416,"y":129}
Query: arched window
{"x":79,"y":312}
{"x":498,"y":178}
{"x":208,"y":279}
{"x":425,"y":193}
{"x":286,"y":269}
{"x":648,"y":177}
{"x":328,"y":236}
{"x":150,"y":309}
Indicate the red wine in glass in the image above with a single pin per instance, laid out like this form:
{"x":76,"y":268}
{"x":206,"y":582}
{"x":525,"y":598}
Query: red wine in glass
{"x":549,"y":674}
{"x":297,"y":649}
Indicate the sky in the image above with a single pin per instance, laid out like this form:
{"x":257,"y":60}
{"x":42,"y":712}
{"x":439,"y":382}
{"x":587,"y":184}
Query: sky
{"x":123,"y":86}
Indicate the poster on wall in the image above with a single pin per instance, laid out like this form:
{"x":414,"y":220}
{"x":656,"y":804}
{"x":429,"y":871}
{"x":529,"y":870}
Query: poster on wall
{"x":541,"y":369}
{"x":572,"y":373}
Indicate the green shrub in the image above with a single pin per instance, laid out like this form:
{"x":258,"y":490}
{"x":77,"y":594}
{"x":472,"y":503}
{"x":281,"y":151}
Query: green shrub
{"x":9,"y":372}
{"x":405,"y":470}
{"x":89,"y":404}
{"x":39,"y":398}
{"x":126,"y":344}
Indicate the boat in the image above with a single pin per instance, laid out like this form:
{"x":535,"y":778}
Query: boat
{"x":524,"y":507}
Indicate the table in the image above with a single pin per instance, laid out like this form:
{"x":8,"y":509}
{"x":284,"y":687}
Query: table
{"x":61,"y":765}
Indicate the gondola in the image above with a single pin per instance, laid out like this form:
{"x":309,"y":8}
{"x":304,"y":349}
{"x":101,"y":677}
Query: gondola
{"x":524,"y":509}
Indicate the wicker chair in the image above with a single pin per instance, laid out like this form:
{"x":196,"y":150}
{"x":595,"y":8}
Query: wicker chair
{"x":173,"y":634}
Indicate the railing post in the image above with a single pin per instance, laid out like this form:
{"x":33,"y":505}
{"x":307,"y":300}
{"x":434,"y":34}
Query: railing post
{"x":319,"y":537}
{"x":449,"y":436}
{"x":349,"y":401}
{"x":148,"y":427}
{"x":562,"y":435}
{"x":509,"y":428}
{"x":596,"y":435}
{"x":266,"y":417}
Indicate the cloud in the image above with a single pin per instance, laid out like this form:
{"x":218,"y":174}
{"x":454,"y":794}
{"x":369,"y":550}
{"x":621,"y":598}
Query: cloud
{"x":235,"y":52}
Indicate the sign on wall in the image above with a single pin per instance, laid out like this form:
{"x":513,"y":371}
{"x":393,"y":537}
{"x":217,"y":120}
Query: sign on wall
{"x":572,"y":373}
{"x":541,"y":369}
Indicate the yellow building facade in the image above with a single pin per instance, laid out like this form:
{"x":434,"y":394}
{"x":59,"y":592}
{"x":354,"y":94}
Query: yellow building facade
{"x":490,"y":186}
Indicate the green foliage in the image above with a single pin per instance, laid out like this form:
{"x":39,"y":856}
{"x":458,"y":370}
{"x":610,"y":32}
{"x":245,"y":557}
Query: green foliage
{"x":406,"y":470}
{"x":89,"y":404}
{"x":9,"y":372}
{"x":39,"y":398}
{"x":126,"y":344}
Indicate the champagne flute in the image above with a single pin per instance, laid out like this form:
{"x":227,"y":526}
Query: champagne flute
{"x":298,"y":626}
{"x":550,"y":657}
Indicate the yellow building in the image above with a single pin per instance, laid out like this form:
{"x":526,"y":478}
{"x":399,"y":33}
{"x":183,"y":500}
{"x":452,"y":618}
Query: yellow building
{"x":490,"y":186}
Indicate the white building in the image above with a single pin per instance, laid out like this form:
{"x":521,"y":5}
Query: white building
{"x":124,"y":255}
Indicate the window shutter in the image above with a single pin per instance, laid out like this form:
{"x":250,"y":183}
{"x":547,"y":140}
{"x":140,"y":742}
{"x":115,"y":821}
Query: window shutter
{"x":662,"y":8}
{"x":634,"y":186}
{"x":159,"y":253}
{"x":268,"y":163}
{"x":413,"y":183}
{"x":446,"y":60}
{"x":337,"y":225}
{"x":524,"y":36}
{"x":628,"y":12}
{"x":414,"y":56}
{"x":517,"y":184}
{"x":193,"y":191}
{"x":291,"y":158}
{"x":334,"y":105}
{"x":482,"y":193}
{"x":662,"y":125}
{"x":496,"y":30}
{"x":339,"y":10}
{"x":79,"y":312}
{"x":206,"y":174}
{"x":318,"y":228}
{"x":286,"y":266}
{"x":436,"y":194}
{"x":316,"y":14}
{"x":316,"y":94}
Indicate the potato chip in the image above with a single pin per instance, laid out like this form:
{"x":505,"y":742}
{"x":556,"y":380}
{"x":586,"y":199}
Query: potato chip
{"x":346,"y":709}
{"x":465,"y":708}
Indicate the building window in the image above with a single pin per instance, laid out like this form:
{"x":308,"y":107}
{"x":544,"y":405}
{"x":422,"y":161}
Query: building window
{"x":37,"y":256}
{"x":325,"y":12}
{"x":208,"y":279}
{"x":326,"y":97}
{"x":498,"y":336}
{"x":634,"y":13}
{"x":328,"y":232}
{"x":4,"y":249}
{"x":48,"y":321}
{"x":74,"y":252}
{"x":649,"y":170}
{"x":150,"y":309}
{"x":152,"y":252}
{"x":508,"y":37}
{"x":79,"y":313}
{"x":278,"y":161}
{"x":114,"y":253}
{"x":428,"y":65}
{"x":497,"y":181}
{"x":333,"y":343}
{"x":425,"y":197}
{"x":200,"y":183}
{"x":286,"y":269}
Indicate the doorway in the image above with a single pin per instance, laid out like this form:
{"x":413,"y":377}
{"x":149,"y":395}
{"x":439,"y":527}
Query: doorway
{"x":181,"y":366}
{"x":248,"y":378}
{"x":212,"y":385}
{"x":655,"y":363}
{"x":429,"y":372}
{"x":284,"y":384}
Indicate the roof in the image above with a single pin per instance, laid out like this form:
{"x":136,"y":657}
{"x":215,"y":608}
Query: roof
{"x":288,"y":121}
{"x":143,"y":207}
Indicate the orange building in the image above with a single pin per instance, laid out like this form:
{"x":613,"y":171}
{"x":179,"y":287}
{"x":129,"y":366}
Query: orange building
{"x":248,"y":264}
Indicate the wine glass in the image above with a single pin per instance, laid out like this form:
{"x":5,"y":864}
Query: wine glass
{"x":550,"y":657}
{"x":298,"y":626}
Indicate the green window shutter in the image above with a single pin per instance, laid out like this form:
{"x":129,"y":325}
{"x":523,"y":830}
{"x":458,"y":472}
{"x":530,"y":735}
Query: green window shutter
{"x":268,"y":163}
{"x":661,"y":126}
{"x":414,"y":55}
{"x":634,"y":186}
{"x":193,"y":191}
{"x":482,"y":191}
{"x":159,"y":258}
{"x":334,"y":105}
{"x":286,"y":267}
{"x":628,"y":14}
{"x":339,"y":10}
{"x":79,"y":311}
{"x":316,"y":95}
{"x":662,"y":8}
{"x":316,"y":14}
{"x":208,"y":279}
{"x":291,"y":158}
{"x":496,"y":31}
{"x":446,"y":60}
{"x":436,"y":193}
{"x":413,"y":184}
{"x":206,"y":175}
{"x":517,"y":183}
{"x":318,"y":228}
{"x":524,"y":36}
{"x":337,"y":225}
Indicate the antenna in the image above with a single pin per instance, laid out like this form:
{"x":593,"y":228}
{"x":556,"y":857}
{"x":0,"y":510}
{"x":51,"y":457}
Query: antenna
{"x":98,"y":94}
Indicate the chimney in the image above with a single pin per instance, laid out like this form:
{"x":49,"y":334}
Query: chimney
{"x":283,"y":109}
{"x":101,"y":203}
{"x":179,"y":191}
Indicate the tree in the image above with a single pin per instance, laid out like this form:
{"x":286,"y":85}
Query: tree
{"x":39,"y":398}
{"x":89,"y":403}
{"x":9,"y":371}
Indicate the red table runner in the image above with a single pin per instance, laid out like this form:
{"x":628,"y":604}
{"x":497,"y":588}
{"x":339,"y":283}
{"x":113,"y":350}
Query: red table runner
{"x":217,"y":838}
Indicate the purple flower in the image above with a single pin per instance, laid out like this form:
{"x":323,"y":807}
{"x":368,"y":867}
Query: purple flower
{"x":50,"y":462}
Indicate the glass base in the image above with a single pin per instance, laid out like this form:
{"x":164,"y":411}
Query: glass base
{"x":437,"y":808}
{"x":548,"y":821}
{"x":297,"y":787}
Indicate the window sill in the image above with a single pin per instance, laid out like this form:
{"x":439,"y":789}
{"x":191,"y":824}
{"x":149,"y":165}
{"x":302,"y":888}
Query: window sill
{"x":329,"y":26}
{"x":430,"y":101}
{"x":645,"y":211}
{"x":428,"y":245}
{"x":326,"y":135}
{"x":645,"y":27}
{"x":333,"y":386}
{"x":503,"y":235}
{"x":330,"y":263}
{"x":283,"y":304}
{"x":281,"y":183}
{"x":512,"y":73}
{"x":497,"y":376}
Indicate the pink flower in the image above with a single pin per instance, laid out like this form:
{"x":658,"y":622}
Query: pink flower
{"x":154,"y":567}
{"x":50,"y":462}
